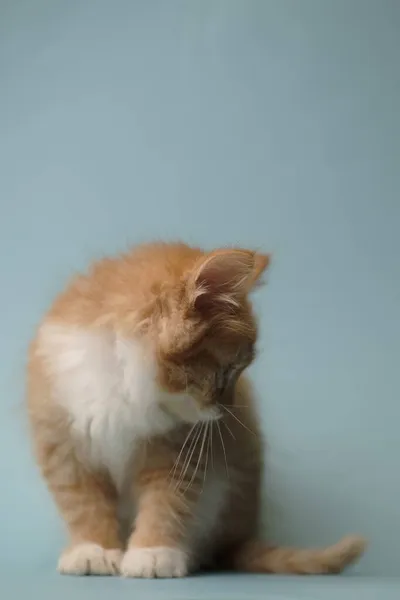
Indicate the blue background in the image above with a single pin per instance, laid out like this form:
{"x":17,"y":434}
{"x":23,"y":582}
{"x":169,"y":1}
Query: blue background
{"x":271,"y":124}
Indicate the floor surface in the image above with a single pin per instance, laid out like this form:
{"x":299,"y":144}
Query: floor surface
{"x":49,"y":586}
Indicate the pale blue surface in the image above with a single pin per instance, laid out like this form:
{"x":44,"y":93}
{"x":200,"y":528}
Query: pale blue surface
{"x":273,"y":124}
{"x":219,"y":587}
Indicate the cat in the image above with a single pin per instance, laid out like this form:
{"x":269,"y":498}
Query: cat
{"x":144,"y":424}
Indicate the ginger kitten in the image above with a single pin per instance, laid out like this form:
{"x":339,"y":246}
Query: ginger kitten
{"x":144,"y":425}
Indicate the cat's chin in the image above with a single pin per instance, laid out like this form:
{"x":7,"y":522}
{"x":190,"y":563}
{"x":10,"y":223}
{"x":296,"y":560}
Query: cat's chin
{"x":188,"y":412}
{"x":178,"y":418}
{"x":182,"y":408}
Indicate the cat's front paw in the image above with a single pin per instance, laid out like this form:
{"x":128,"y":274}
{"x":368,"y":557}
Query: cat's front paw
{"x":154,"y":562}
{"x":89,"y":559}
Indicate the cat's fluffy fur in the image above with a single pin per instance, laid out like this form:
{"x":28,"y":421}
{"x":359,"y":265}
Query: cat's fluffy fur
{"x":143,"y":424}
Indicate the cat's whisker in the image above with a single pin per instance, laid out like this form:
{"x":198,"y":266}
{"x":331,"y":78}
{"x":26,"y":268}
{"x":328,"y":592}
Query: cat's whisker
{"x":237,"y":419}
{"x":176,"y":463}
{"x":209,"y":425}
{"x":223,"y":449}
{"x":189,"y":456}
{"x":176,"y":479}
{"x":204,"y":430}
{"x":229,"y":429}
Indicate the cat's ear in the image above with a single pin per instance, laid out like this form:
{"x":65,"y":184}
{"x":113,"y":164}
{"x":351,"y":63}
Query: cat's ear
{"x":261,"y":264}
{"x":225,"y":276}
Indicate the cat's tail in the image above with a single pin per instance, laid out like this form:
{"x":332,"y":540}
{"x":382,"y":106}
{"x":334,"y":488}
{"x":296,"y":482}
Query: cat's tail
{"x":256,"y":557}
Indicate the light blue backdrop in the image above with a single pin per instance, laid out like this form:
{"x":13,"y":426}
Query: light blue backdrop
{"x":272,"y":124}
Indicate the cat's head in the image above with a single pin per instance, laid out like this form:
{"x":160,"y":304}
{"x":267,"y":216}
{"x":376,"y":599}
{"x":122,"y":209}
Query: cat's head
{"x":206,"y":330}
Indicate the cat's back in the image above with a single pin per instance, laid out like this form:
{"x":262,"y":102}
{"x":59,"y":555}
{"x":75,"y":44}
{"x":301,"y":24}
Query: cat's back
{"x":114,"y":288}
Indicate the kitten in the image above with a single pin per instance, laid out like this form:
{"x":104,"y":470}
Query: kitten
{"x":141,"y":415}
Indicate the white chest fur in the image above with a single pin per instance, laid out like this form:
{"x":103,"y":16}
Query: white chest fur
{"x":107,"y":385}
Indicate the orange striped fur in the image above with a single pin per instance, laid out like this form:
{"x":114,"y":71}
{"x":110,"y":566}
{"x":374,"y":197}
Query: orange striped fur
{"x":144,"y":425}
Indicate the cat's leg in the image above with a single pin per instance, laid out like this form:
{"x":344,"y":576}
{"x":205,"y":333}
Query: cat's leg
{"x":88,"y":505}
{"x":157,"y":546}
{"x":85,"y":500}
{"x":160,"y":543}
